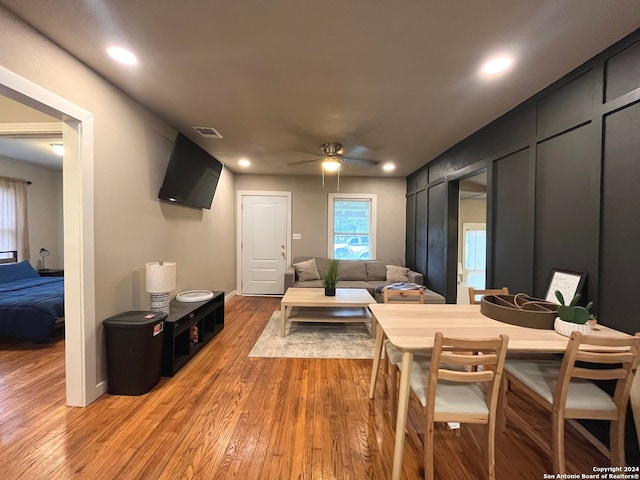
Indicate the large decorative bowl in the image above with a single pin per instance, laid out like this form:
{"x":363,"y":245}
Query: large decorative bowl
{"x":521,"y":310}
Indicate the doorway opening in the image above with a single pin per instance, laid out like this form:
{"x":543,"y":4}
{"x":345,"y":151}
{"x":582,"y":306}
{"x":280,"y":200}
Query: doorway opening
{"x":77,"y":132}
{"x":472,"y":235}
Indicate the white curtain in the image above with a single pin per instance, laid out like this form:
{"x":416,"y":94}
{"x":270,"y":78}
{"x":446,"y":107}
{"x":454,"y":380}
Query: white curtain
{"x":14,"y":231}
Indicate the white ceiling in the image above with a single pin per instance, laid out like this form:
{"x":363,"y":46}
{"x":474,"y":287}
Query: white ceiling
{"x":26,"y":135}
{"x":35,"y":151}
{"x":277,"y":78}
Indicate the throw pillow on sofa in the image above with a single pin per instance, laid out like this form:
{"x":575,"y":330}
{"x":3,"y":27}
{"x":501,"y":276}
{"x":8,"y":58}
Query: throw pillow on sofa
{"x":397,"y":274}
{"x":307,"y":270}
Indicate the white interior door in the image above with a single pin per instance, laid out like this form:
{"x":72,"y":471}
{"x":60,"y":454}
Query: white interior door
{"x":264,"y":244}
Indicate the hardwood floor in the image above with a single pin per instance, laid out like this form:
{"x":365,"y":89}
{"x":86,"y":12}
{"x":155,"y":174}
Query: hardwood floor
{"x":226,"y":416}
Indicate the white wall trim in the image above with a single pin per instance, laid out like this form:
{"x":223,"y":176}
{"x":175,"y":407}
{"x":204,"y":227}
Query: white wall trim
{"x":48,"y":129}
{"x":82,"y":386}
{"x":249,"y":193}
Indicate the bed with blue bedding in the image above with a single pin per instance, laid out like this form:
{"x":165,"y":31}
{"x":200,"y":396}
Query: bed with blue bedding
{"x":31,"y":307}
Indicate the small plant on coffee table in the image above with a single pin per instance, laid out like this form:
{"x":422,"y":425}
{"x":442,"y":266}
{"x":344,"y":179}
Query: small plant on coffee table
{"x":330,"y":279}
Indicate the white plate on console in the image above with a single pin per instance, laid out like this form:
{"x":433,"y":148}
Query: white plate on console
{"x":194,"y":296}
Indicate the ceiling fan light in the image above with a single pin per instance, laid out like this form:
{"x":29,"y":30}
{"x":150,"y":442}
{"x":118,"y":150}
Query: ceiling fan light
{"x":331,"y":165}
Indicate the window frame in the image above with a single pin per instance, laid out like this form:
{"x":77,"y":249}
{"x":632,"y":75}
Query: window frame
{"x":372,"y":198}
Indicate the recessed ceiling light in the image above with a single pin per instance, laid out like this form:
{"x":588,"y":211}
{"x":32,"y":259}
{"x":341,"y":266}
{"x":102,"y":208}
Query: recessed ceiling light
{"x":244,"y":162}
{"x":497,"y":65}
{"x":389,"y":167}
{"x":121,"y":55}
{"x":58,"y":148}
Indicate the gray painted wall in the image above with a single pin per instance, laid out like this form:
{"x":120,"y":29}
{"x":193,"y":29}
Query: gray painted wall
{"x":309,"y":208}
{"x":131,"y":149}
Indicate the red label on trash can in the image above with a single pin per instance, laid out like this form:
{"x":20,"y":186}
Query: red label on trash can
{"x":157,"y":328}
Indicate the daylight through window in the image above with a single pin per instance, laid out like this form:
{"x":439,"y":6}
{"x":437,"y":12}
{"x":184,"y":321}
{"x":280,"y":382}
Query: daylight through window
{"x":13,"y":216}
{"x":352,"y":226}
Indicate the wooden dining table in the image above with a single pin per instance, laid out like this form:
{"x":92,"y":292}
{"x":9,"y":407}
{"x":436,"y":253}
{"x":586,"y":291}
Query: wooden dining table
{"x":412,"y":327}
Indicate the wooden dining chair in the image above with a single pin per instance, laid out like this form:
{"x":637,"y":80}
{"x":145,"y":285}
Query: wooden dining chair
{"x":475,"y":295}
{"x":449,"y":392}
{"x":565,"y":388}
{"x":392,"y":355}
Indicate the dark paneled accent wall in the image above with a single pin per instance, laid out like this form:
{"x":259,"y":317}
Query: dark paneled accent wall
{"x":556,"y":161}
{"x":567,"y":207}
{"x":410,"y":243}
{"x":511,"y":245}
{"x":620,"y":224}
{"x":563,"y":192}
{"x":436,"y":234}
{"x":420,"y":261}
{"x":568,"y":106}
{"x":623,"y":72}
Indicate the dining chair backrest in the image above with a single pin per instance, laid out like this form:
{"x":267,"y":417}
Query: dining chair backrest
{"x":617,"y":360}
{"x":570,"y":389}
{"x":449,"y":358}
{"x":403,"y":296}
{"x":392,"y":354}
{"x":475,"y":295}
{"x":450,"y":392}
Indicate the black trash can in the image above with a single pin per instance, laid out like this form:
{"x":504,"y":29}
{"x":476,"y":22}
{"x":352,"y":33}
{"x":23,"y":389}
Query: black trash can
{"x":134,"y":351}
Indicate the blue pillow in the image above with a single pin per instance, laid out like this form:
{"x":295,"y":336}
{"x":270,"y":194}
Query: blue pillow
{"x":17,"y":271}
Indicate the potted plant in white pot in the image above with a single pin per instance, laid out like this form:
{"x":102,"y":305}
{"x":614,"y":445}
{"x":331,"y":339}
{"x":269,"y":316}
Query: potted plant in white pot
{"x":573,"y":317}
{"x":330,"y":278}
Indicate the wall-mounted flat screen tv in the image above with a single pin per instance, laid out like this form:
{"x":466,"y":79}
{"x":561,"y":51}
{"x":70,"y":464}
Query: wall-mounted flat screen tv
{"x":192,"y":175}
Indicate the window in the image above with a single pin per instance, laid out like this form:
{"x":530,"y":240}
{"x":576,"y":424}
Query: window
{"x":352,"y":226}
{"x":8,"y":222}
{"x":13,"y":216}
{"x":475,"y":254}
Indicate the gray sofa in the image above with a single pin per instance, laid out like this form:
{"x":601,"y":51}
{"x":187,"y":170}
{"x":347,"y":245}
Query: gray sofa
{"x":368,"y":274}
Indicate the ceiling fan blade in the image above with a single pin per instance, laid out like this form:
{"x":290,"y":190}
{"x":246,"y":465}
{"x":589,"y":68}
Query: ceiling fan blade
{"x":304,"y":161}
{"x":355,"y":151}
{"x":361,"y":161}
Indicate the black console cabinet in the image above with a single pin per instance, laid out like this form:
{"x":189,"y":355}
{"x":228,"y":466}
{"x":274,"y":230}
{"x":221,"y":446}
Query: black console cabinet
{"x":188,"y":328}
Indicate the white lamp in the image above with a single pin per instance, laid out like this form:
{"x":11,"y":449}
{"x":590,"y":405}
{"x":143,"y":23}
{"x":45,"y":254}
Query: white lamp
{"x":161,"y":279}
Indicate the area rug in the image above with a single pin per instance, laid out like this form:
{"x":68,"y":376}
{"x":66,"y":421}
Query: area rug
{"x":314,"y":340}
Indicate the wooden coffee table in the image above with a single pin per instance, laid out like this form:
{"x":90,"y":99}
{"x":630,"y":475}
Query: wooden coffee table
{"x":311,"y":305}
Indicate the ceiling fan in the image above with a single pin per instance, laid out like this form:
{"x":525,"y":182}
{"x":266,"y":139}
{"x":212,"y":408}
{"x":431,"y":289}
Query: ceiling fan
{"x":332,"y":158}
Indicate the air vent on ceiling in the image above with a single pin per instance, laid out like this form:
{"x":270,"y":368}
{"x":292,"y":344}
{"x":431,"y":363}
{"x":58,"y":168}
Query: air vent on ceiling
{"x":208,"y":132}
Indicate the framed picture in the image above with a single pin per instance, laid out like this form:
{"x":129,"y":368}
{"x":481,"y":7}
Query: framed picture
{"x":569,"y":283}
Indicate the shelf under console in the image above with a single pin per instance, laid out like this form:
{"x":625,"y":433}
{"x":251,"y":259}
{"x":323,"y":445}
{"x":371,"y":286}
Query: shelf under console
{"x":188,"y":328}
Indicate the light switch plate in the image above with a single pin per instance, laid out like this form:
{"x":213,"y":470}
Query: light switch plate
{"x":297,"y":236}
